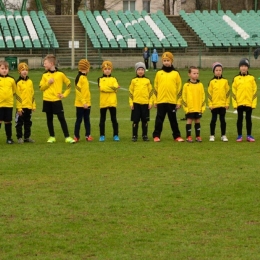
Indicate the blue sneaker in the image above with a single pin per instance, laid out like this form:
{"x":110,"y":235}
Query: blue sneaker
{"x":116,"y":138}
{"x":250,"y":138}
{"x":239,"y":138}
{"x":102,"y":138}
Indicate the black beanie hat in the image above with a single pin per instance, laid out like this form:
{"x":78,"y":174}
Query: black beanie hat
{"x":245,"y":62}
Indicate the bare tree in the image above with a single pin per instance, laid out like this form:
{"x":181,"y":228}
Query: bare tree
{"x":167,"y":7}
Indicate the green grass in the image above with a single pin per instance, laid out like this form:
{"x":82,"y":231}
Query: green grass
{"x":129,"y":200}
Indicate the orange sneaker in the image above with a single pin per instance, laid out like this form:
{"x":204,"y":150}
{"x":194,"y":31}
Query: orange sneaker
{"x":89,"y":138}
{"x":198,"y":139}
{"x":156,"y":139}
{"x":189,"y":139}
{"x":76,"y":139}
{"x":179,"y":139}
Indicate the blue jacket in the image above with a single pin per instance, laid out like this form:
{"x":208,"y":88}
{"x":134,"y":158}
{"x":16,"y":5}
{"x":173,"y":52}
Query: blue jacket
{"x":154,"y":57}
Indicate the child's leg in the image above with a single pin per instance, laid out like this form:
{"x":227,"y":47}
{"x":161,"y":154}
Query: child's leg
{"x":8,"y":130}
{"x":171,"y":111}
{"x":87,"y":121}
{"x":197,"y":127}
{"x":160,"y":116}
{"x":102,"y":121}
{"x":49,"y":117}
{"x":27,"y":122}
{"x":63,"y":124}
{"x":222,"y":123}
{"x":249,"y":121}
{"x":135,"y":128}
{"x":213,"y":122}
{"x":79,"y":114}
{"x":240,"y":111}
{"x":144,"y":128}
{"x":19,"y":125}
{"x":112,"y":111}
{"x":188,"y":127}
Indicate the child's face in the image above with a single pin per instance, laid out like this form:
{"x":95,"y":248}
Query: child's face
{"x":4,"y":70}
{"x":167,"y":63}
{"x":243,"y":69}
{"x":107,"y":71}
{"x":194,"y":74}
{"x":48,"y":65}
{"x":218,"y":71}
{"x":84,"y":71}
{"x":24,"y":73}
{"x":140,"y":72}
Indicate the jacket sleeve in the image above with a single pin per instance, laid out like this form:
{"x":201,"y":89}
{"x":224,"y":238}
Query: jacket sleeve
{"x":234,"y":94}
{"x":155,"y":90}
{"x":227,"y":94}
{"x":33,"y":98}
{"x":131,"y":94}
{"x":44,"y":83}
{"x":184,"y":99}
{"x":210,"y":93}
{"x":203,"y":99}
{"x":254,"y":101}
{"x":179,"y":90}
{"x":68,"y":86}
{"x":151,"y":94}
{"x":18,"y":98}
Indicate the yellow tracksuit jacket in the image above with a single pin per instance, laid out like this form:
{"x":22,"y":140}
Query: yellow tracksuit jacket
{"x":167,"y":87}
{"x":82,"y":91}
{"x":50,"y":92}
{"x":7,"y":91}
{"x":244,"y":91}
{"x":193,"y":97}
{"x":108,"y":87}
{"x":218,"y":93}
{"x":26,"y":90}
{"x":140,"y":91}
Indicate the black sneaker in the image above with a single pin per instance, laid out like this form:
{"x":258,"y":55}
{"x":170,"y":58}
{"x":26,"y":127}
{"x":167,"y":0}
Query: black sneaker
{"x":9,"y":141}
{"x":145,"y":138}
{"x":134,"y":138}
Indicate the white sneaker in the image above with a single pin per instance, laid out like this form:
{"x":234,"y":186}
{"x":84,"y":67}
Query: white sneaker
{"x":212,"y":138}
{"x":224,"y":138}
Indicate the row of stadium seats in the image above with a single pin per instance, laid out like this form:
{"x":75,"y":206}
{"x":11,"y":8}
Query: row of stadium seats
{"x":26,"y":30}
{"x":225,"y":29}
{"x":114,"y":29}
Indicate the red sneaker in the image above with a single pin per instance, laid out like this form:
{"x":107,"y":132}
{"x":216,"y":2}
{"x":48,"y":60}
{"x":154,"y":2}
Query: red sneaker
{"x":89,"y":138}
{"x":198,"y":139}
{"x":76,"y":139}
{"x":156,"y":139}
{"x":179,"y":139}
{"x":189,"y":139}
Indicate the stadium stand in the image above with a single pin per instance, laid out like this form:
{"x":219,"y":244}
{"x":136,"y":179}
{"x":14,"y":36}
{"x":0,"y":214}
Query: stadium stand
{"x":7,"y":36}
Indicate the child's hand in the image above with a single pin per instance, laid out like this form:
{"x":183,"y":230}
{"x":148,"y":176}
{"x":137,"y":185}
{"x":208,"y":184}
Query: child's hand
{"x":51,"y":80}
{"x":210,"y":108}
{"x":155,"y":105}
{"x":132,"y":107}
{"x":33,"y":109}
{"x":85,"y":106}
{"x":178,"y":106}
{"x":150,"y":106}
{"x":227,"y":107}
{"x":60,"y":95}
{"x":20,"y":113}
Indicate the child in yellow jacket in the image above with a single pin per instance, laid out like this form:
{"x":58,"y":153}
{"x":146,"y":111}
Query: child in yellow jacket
{"x":218,"y":101}
{"x":24,"y":109}
{"x":7,"y":92}
{"x":108,"y":87}
{"x":140,"y":101}
{"x":51,"y":85}
{"x":193,"y":101}
{"x":82,"y":100}
{"x":244,"y":98}
{"x":167,"y":97}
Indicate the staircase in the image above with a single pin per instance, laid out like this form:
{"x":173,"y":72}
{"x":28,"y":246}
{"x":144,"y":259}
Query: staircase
{"x":61,"y":25}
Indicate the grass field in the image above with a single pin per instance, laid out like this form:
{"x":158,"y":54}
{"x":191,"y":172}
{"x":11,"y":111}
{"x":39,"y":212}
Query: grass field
{"x":125,"y":200}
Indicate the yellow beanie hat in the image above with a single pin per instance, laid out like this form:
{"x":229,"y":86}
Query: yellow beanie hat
{"x":167,"y":55}
{"x":107,"y":64}
{"x":83,"y":65}
{"x":22,"y":66}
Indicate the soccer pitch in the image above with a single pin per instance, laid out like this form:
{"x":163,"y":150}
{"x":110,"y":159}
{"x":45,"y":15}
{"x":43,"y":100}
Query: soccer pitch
{"x":125,"y":200}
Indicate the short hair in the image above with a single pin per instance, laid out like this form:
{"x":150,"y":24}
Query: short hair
{"x":4,"y":63}
{"x":50,"y":58}
{"x":192,"y":68}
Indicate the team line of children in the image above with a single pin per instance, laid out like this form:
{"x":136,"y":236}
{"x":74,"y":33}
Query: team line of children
{"x":168,"y":95}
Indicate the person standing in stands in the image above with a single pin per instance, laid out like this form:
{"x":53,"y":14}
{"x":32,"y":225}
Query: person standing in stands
{"x":146,"y":56}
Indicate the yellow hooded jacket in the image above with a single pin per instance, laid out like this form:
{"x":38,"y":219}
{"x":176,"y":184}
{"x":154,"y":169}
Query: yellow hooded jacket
{"x":218,"y":93}
{"x":26,"y":90}
{"x":193,"y":97}
{"x":51,"y":91}
{"x":244,"y":91}
{"x":140,"y":91}
{"x":83,"y":95}
{"x":108,"y":87}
